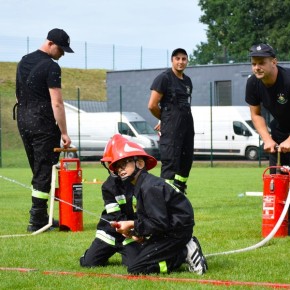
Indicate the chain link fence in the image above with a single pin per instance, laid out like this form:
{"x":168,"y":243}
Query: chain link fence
{"x":109,"y":57}
{"x":89,"y":55}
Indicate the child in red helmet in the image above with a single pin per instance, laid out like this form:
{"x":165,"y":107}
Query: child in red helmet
{"x":165,"y":219}
{"x":118,"y":202}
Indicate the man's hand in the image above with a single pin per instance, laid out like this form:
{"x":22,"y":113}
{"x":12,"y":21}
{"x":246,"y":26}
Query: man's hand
{"x":66,"y":141}
{"x":270,"y":146}
{"x":284,"y":147}
{"x":158,"y":127}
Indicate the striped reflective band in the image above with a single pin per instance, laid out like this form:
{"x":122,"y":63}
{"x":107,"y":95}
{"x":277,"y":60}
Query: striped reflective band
{"x":170,"y":181}
{"x":39,"y":194}
{"x":127,"y":241}
{"x":163,"y":267}
{"x":102,"y":235}
{"x":112,"y":207}
{"x":121,"y":199}
{"x":180,"y":178}
{"x":175,"y":188}
{"x":134,"y":203}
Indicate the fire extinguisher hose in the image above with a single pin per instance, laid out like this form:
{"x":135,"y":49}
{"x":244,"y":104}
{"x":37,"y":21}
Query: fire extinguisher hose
{"x":264,"y":241}
{"x":51,"y":207}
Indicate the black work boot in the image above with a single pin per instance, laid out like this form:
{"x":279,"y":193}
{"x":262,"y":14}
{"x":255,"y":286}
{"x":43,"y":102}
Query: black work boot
{"x":38,"y":215}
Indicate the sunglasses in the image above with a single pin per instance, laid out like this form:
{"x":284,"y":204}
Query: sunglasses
{"x":122,"y":164}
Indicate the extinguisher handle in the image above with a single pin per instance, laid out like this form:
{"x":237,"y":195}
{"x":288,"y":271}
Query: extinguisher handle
{"x":72,"y":149}
{"x":115,"y":225}
{"x":268,"y":168}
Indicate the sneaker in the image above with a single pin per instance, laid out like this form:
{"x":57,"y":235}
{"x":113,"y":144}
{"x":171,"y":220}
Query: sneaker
{"x":195,"y":258}
{"x":34,"y":228}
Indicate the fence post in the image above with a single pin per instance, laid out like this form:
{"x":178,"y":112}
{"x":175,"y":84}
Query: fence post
{"x":86,"y":56}
{"x":79,"y":121}
{"x":141,"y":57}
{"x":211,"y":143}
{"x":113,"y":57}
{"x":27,"y":44}
{"x":0,"y":134}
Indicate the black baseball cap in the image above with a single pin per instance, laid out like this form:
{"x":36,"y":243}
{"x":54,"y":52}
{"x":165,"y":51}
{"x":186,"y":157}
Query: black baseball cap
{"x":178,"y":50}
{"x":262,"y":50}
{"x":60,"y":38}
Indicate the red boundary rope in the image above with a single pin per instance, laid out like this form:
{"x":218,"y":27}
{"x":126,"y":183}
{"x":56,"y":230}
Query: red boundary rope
{"x":153,"y":278}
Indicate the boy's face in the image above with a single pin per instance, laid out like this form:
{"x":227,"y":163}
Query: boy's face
{"x":125,"y":167}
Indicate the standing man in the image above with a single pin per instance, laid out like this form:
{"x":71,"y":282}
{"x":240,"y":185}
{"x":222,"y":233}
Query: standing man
{"x":170,"y":102}
{"x":41,"y":117}
{"x":270,"y":85}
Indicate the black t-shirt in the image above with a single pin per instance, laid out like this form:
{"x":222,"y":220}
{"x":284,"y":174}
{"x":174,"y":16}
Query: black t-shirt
{"x":275,"y":99}
{"x":183,"y":87}
{"x":36,"y":73}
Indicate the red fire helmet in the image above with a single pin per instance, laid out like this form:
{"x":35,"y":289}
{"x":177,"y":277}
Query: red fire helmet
{"x":123,"y":148}
{"x":107,"y":155}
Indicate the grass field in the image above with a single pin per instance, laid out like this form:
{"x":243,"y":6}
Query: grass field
{"x":225,"y":220}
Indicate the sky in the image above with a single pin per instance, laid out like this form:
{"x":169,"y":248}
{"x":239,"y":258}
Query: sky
{"x":149,"y":23}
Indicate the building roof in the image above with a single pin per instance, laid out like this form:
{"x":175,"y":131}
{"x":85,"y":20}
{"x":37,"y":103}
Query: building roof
{"x":89,"y":106}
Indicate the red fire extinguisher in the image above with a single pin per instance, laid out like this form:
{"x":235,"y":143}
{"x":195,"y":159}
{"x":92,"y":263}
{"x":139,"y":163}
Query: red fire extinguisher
{"x":70,"y":195}
{"x":276,"y":187}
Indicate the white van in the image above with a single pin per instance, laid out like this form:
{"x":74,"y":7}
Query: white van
{"x":225,"y":130}
{"x":90,"y":132}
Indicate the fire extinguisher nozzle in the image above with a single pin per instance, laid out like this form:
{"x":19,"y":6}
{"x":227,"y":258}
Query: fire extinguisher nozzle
{"x":115,"y":225}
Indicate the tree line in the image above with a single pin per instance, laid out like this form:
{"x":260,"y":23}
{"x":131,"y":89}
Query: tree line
{"x":235,"y":25}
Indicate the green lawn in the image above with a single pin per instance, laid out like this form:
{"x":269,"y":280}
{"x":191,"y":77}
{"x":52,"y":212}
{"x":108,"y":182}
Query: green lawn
{"x":225,"y":220}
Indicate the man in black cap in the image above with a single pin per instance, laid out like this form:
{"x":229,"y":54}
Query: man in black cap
{"x":170,"y":102}
{"x":41,"y":117}
{"x":270,"y":86}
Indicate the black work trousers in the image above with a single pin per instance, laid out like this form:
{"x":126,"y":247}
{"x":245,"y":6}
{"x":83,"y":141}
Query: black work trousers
{"x":40,"y":135}
{"x":176,"y":141}
{"x":279,"y":135}
{"x":161,"y":255}
{"x":99,"y":253}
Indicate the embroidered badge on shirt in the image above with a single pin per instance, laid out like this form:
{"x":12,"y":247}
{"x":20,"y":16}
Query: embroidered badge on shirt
{"x":188,"y":89}
{"x":282,"y":99}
